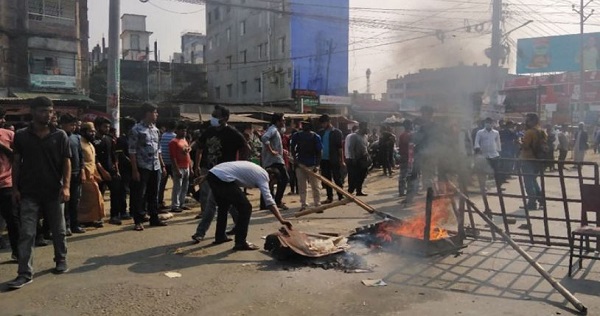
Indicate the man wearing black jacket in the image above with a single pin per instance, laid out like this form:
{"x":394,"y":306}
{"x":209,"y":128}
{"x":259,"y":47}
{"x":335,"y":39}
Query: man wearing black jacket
{"x":332,"y":159}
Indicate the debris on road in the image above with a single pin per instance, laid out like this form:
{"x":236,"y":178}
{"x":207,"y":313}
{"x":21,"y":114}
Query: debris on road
{"x":374,"y":283}
{"x":172,"y":275}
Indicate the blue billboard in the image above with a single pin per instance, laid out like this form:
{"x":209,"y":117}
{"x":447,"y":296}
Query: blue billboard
{"x":557,"y":53}
{"x":319,"y":45}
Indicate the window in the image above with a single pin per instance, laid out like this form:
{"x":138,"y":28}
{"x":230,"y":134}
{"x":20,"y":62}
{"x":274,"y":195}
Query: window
{"x":257,"y":83}
{"x":282,"y":45}
{"x":259,"y":51}
{"x":228,"y":9}
{"x":244,"y":85}
{"x":52,"y":63}
{"x":242,"y":28}
{"x":230,"y":90}
{"x":261,"y":19}
{"x":217,"y":92}
{"x":217,"y":65}
{"x":210,"y":43}
{"x":217,"y":13}
{"x":209,"y":17}
{"x":228,"y":61}
{"x":228,"y":31}
{"x":134,"y":42}
{"x":217,"y":40}
{"x":55,"y":11}
{"x":243,"y":55}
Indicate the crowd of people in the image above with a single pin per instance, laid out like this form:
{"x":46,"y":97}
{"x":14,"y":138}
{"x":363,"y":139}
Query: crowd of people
{"x":54,"y":172}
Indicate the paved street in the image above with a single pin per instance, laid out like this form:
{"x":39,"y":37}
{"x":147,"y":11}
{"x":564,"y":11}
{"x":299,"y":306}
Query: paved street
{"x":117,"y":271}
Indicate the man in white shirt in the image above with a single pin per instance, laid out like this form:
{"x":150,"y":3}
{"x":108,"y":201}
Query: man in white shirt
{"x":488,"y":145}
{"x":225,"y":180}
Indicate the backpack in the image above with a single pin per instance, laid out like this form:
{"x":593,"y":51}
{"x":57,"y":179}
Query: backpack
{"x":540,"y":148}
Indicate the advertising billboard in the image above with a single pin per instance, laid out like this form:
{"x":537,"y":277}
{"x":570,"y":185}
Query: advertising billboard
{"x":557,"y":53}
{"x":52,"y":81}
{"x":319,"y":45}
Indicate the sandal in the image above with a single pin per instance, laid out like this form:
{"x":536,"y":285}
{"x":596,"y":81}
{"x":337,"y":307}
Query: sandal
{"x":138,"y":227}
{"x":246,"y":247}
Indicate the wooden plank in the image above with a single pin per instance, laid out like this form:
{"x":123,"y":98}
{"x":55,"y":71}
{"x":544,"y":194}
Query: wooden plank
{"x":322,"y":207}
{"x":339,"y":190}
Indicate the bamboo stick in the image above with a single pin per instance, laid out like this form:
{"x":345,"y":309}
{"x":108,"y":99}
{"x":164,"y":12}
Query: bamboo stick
{"x":555,"y":284}
{"x":322,"y":207}
{"x":339,"y":190}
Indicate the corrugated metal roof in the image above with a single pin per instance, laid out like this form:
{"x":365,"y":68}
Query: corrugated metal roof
{"x":51,"y":96}
{"x":195,"y":117}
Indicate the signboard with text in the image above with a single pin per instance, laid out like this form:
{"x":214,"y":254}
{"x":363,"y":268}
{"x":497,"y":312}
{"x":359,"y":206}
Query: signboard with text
{"x":334,"y":100}
{"x":52,"y":81}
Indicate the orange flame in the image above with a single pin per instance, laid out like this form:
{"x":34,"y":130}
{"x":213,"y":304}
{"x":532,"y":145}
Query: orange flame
{"x":414,"y":227}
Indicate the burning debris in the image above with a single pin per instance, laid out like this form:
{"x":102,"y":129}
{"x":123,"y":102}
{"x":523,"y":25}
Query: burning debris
{"x":315,"y":250}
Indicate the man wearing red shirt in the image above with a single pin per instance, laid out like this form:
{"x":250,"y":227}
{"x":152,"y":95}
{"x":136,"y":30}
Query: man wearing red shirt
{"x":404,"y":141}
{"x":179,"y":151}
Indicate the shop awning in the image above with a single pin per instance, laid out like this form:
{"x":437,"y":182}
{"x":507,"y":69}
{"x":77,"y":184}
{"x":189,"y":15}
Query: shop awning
{"x":52,"y":96}
{"x":233,"y":118}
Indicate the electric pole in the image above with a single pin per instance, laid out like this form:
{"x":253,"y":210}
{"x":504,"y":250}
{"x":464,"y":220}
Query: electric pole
{"x":582,"y":18}
{"x":495,"y":51}
{"x":114,"y":64}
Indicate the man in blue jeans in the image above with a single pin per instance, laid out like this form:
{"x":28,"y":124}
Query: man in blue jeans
{"x":42,"y":175}
{"x":531,"y":168}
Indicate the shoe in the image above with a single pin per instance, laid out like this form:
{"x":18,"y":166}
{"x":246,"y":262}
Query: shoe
{"x":138,"y":227}
{"x":115,"y":221}
{"x":199,"y":216}
{"x":221,"y":241}
{"x":245,"y":247}
{"x":14,"y":258}
{"x":40,"y":242}
{"x":68,"y":233}
{"x":98,"y":224}
{"x":197,"y":239}
{"x":126,"y":217}
{"x":361,"y":194}
{"x":176,"y":210}
{"x":185,"y":208}
{"x":231,"y":232}
{"x":146,"y":219}
{"x":61,"y":267}
{"x":283,"y":207}
{"x":328,"y":201}
{"x":78,"y":230}
{"x":19,"y":282}
{"x":158,"y":223}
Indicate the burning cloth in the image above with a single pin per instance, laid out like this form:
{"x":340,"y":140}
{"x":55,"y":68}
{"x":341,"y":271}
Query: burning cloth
{"x":308,"y":245}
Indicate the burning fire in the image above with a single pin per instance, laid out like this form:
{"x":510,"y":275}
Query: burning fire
{"x":414,"y":227}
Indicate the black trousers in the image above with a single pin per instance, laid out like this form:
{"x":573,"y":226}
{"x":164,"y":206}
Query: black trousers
{"x":72,"y":206}
{"x":282,"y":183}
{"x":144,"y":196}
{"x":118,"y":195}
{"x":229,"y":194}
{"x":333,"y":172}
{"x":356,"y":176}
{"x":11,"y":216}
{"x":163,"y":184}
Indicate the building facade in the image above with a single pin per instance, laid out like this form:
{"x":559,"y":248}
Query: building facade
{"x":451,"y":90}
{"x":259,"y":52}
{"x":135,"y":39}
{"x":192,"y":48}
{"x":43,"y":46}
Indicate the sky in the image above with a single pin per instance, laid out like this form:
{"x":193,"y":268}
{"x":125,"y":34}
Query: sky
{"x":390,"y":37}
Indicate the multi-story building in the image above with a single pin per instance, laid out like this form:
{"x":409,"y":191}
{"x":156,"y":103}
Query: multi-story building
{"x":43,"y":46}
{"x":135,"y":39}
{"x":257,"y":52}
{"x":192,"y":47}
{"x":449,"y":90}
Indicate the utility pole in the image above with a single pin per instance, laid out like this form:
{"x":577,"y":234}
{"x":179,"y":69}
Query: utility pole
{"x":114,"y":64}
{"x":495,"y":51}
{"x":582,"y":18}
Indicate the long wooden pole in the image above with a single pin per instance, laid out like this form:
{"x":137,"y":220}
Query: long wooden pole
{"x":339,"y":190}
{"x":321,"y":208}
{"x":555,"y":284}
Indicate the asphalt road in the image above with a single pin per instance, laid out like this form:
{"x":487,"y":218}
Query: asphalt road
{"x":117,"y":271}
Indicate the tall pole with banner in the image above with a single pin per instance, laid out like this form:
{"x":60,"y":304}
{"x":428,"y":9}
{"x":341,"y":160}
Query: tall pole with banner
{"x":582,"y":18}
{"x":114,"y":65}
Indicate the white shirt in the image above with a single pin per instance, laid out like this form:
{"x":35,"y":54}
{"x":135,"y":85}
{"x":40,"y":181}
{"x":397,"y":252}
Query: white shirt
{"x":245,"y":174}
{"x":488,"y":142}
{"x":347,"y":146}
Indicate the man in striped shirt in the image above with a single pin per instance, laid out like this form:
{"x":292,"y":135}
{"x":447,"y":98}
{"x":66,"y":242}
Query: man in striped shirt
{"x":165,"y":139}
{"x":225,"y":180}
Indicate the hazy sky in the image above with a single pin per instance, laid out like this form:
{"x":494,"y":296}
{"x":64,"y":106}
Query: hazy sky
{"x":391,"y":37}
